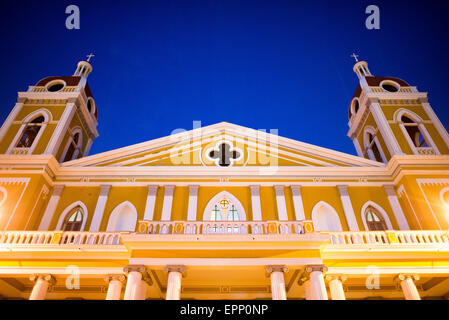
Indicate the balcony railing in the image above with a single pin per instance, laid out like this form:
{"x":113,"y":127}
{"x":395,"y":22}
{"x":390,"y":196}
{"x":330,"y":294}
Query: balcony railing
{"x":222,"y":228}
{"x":58,"y":238}
{"x":411,"y":237}
{"x":340,"y":239}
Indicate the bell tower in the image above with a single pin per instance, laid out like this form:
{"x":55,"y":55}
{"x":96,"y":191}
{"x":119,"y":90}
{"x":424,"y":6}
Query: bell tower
{"x":387,"y":117}
{"x":57,"y":116}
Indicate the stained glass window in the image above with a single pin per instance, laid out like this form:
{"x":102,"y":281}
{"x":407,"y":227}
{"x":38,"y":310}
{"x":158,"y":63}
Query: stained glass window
{"x":374,"y":220}
{"x":224,"y":210}
{"x":74,"y":220}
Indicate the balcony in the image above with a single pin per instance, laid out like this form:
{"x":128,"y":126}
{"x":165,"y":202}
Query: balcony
{"x":263,"y":230}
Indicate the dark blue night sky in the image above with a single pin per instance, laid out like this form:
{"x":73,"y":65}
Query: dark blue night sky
{"x":161,"y":64}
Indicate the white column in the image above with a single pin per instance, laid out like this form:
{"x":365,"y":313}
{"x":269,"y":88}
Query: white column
{"x":141,"y":291}
{"x":336,"y":286}
{"x":87,"y":148}
{"x":135,"y":286}
{"x":357,"y":147}
{"x":408,"y":286}
{"x":276,"y":273}
{"x":114,"y":286}
{"x":12,"y":115}
{"x":99,"y":208}
{"x":41,"y":284}
{"x":396,"y":206}
{"x":280,"y":200}
{"x":317,"y":281}
{"x":51,"y":207}
{"x":168,"y":200}
{"x":255,"y":203}
{"x":193,"y":198}
{"x":297,"y":203}
{"x":151,"y":200}
{"x":61,"y":129}
{"x":347,"y":208}
{"x":385,"y":129}
{"x":175,"y":273}
{"x":435,"y":120}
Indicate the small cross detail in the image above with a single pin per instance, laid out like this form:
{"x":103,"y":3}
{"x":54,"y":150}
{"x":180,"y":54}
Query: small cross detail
{"x":89,"y":56}
{"x":355,"y":56}
{"x":224,"y":155}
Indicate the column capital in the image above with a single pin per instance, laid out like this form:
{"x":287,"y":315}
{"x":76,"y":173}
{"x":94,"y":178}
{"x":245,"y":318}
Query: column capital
{"x":315,"y":267}
{"x":296,"y":189}
{"x":279,"y":188}
{"x":176,"y":268}
{"x":119,"y":277}
{"x":46,"y":277}
{"x":343,"y":190}
{"x":169,"y":189}
{"x":389,"y":189}
{"x":141,"y":269}
{"x":275,"y":268}
{"x":152,"y":188}
{"x":57,"y":190}
{"x":254,"y":187}
{"x":341,"y":277}
{"x":401,"y":277}
{"x":193,"y":189}
{"x":104,"y":190}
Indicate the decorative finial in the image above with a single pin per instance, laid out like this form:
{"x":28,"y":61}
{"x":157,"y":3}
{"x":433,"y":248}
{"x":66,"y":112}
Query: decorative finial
{"x":89,"y":56}
{"x":355,"y":56}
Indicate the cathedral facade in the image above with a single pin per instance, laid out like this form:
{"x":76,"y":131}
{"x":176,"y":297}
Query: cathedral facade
{"x":224,"y":211}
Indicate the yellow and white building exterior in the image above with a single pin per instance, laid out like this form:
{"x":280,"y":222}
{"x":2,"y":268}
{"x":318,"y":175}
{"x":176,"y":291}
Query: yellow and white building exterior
{"x":224,"y":211}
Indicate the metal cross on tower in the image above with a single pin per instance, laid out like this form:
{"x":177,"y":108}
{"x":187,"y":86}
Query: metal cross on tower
{"x":89,"y":56}
{"x":355,"y":56}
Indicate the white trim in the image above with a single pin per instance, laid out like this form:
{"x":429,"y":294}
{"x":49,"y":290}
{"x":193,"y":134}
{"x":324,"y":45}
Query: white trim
{"x":366,"y":143}
{"x":53,"y":82}
{"x":78,"y":146}
{"x":168,"y":202}
{"x":67,"y":211}
{"x":99,"y":208}
{"x":255,"y":202}
{"x":333,"y":212}
{"x":385,"y":129}
{"x":401,"y":191}
{"x":392,"y":83}
{"x":436,"y":122}
{"x":297,"y":202}
{"x":35,"y":114}
{"x":150,"y":203}
{"x":280,"y":202}
{"x":115,"y":213}
{"x":380,"y":210}
{"x":220,"y":196}
{"x":421,"y":127}
{"x":10,"y":119}
{"x":193,"y":200}
{"x":5,"y":195}
{"x":61,"y":129}
{"x":203,"y":132}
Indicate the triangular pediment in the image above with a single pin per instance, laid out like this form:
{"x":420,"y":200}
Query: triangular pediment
{"x":222,"y":145}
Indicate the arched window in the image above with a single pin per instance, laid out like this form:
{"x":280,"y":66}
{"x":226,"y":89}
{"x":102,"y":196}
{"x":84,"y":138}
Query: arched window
{"x":414,"y":132}
{"x":73,"y":220}
{"x":73,"y":149}
{"x":374,"y":220}
{"x":30,"y":133}
{"x":224,"y":211}
{"x":325,"y":218}
{"x":372,"y":146}
{"x":123,"y":218}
